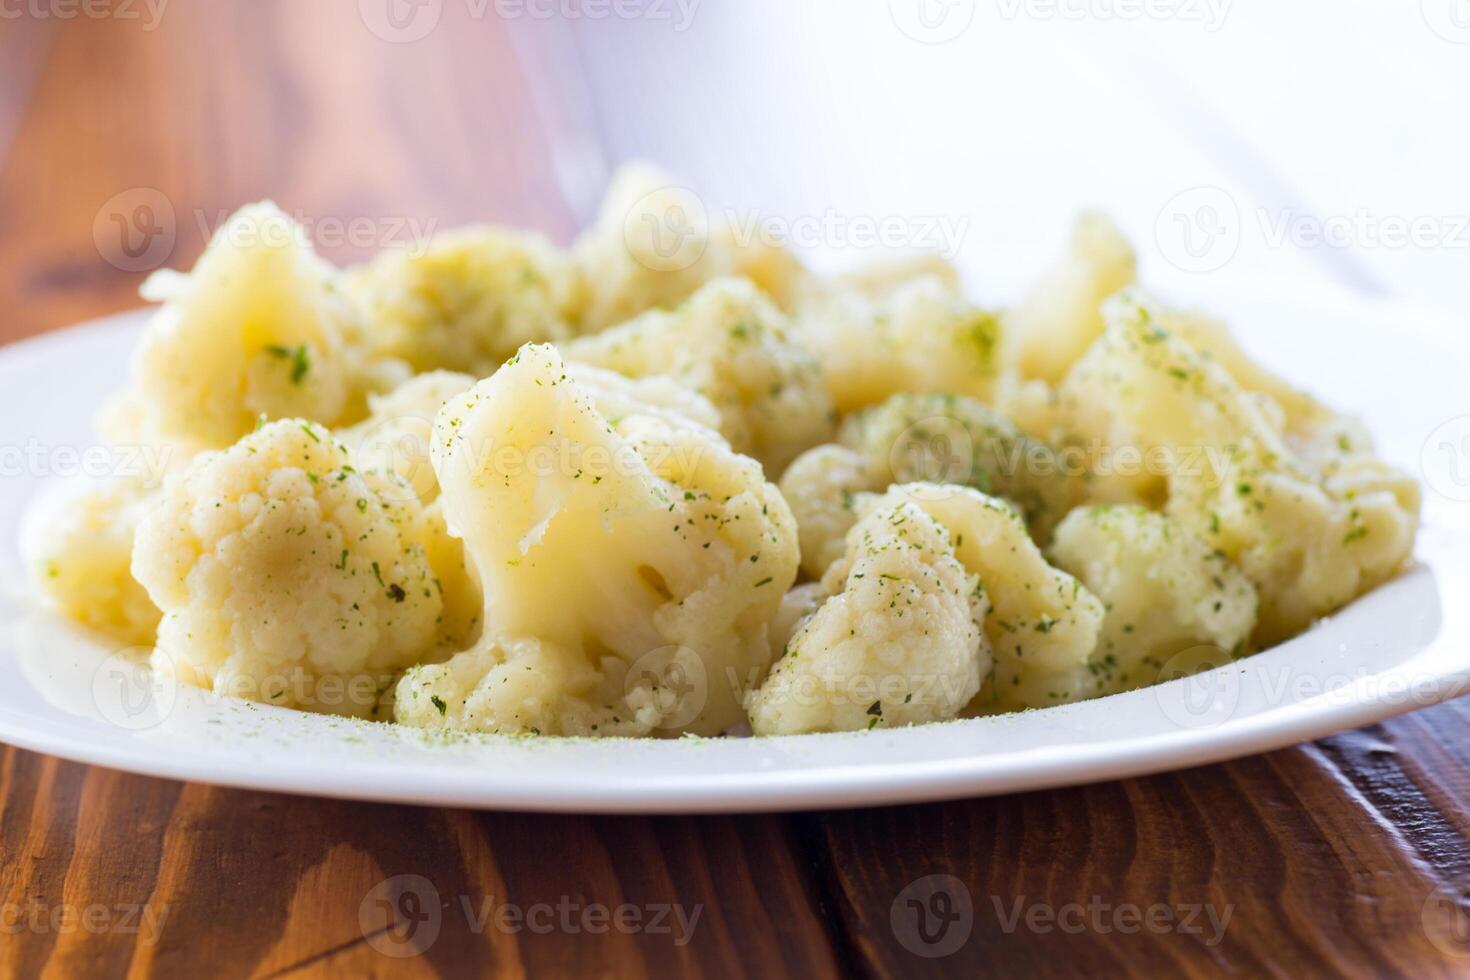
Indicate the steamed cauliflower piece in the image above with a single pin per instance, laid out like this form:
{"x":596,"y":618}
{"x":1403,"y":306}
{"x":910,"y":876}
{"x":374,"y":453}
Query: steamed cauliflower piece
{"x":256,"y":329}
{"x":1308,"y":543}
{"x":896,"y":641}
{"x":468,"y":301}
{"x":731,"y":345}
{"x":80,"y":557}
{"x":1040,"y":626}
{"x":286,"y":576}
{"x":918,"y":336}
{"x":394,"y":438}
{"x":1043,"y":624}
{"x":631,"y":562}
{"x":654,"y":244}
{"x":883,"y":277}
{"x":1062,"y":315}
{"x":1168,"y":594}
{"x":938,"y":438}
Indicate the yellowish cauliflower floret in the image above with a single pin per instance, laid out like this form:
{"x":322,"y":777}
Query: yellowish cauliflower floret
{"x":1043,"y":624}
{"x":954,"y":439}
{"x":1209,"y":336}
{"x":1308,"y":542}
{"x":918,"y":336}
{"x":80,"y":557}
{"x":630,"y":563}
{"x":1062,"y":315}
{"x":284,"y":576}
{"x":731,"y":345}
{"x":459,"y":623}
{"x":1167,"y":593}
{"x":897,"y":641}
{"x":468,"y":301}
{"x":884,"y":277}
{"x":256,"y":329}
{"x":934,"y":438}
{"x":394,"y":438}
{"x":798,"y":603}
{"x":654,"y":243}
{"x":822,"y":486}
{"x":393,"y":442}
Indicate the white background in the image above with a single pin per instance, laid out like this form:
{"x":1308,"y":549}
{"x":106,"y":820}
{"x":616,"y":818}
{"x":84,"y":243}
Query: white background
{"x":1349,"y":115}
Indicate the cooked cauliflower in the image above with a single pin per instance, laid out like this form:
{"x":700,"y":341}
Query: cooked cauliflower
{"x":459,"y":622}
{"x":257,"y":329}
{"x":938,"y":438}
{"x":730,"y":344}
{"x":1043,"y":624}
{"x":80,"y":554}
{"x":469,"y":301}
{"x":882,"y":278}
{"x":1307,"y":543}
{"x":1212,"y":339}
{"x":1062,"y":315}
{"x":285,"y":576}
{"x":821,"y":487}
{"x":897,"y":640}
{"x":917,"y":336}
{"x":654,"y":244}
{"x":631,"y":562}
{"x":1167,"y":593}
{"x":394,"y":438}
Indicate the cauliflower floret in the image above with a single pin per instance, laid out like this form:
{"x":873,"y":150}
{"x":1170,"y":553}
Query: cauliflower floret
{"x":954,"y":439}
{"x":630,"y":562}
{"x":257,"y":329}
{"x":936,"y":438}
{"x":1043,"y":624}
{"x":798,"y":604}
{"x":920,"y":335}
{"x":468,"y":301}
{"x":1212,"y":339}
{"x":1338,"y":451}
{"x":730,"y":344}
{"x":1167,"y":592}
{"x":882,"y":278}
{"x":821,"y":487}
{"x":394,"y":438}
{"x":454,"y":577}
{"x":1051,"y":328}
{"x":80,"y":552}
{"x":653,"y":245}
{"x":897,"y":640}
{"x":1307,"y":541}
{"x":285,"y":576}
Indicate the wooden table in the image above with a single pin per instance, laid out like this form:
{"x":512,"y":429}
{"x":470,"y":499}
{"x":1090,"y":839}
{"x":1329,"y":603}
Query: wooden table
{"x":1347,"y":856}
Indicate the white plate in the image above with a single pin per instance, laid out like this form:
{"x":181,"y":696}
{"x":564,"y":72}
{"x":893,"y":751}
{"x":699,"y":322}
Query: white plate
{"x":1405,"y":646}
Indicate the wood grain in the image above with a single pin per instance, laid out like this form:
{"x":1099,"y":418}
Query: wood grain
{"x":1346,"y":857}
